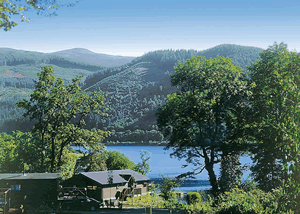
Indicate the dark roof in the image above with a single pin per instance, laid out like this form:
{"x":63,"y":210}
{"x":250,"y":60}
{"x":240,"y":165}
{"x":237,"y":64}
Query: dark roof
{"x":102,"y":176}
{"x":20,"y":176}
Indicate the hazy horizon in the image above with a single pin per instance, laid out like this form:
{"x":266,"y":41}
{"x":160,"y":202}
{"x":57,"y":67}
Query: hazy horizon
{"x":111,"y":54}
{"x":133,"y":28}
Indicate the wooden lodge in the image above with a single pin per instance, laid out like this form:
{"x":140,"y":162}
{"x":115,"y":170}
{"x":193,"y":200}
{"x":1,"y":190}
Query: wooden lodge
{"x":36,"y":188}
{"x":124,"y":183}
{"x":30,"y":188}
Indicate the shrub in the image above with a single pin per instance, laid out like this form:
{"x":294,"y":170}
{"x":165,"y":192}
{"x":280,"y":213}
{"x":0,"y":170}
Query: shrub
{"x":254,"y":201}
{"x":193,"y":197}
{"x":152,"y":200}
{"x":167,"y":186}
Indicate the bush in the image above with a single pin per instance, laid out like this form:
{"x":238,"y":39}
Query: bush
{"x":152,"y":200}
{"x":193,"y":197}
{"x":254,"y":201}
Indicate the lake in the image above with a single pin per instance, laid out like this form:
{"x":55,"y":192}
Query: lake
{"x":162,"y":164}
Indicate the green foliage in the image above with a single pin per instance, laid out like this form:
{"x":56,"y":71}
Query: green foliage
{"x":167,"y":185}
{"x":7,"y":152}
{"x":275,"y":119}
{"x":153,"y":200}
{"x":117,"y":160}
{"x":20,"y":150}
{"x":205,"y":119}
{"x":69,"y":159}
{"x":253,"y":201}
{"x":93,"y":161}
{"x":239,"y":201}
{"x":230,"y":172}
{"x":59,"y":111}
{"x":10,"y":117}
{"x":7,"y":8}
{"x":193,"y":197}
{"x":144,"y":166}
{"x":103,"y":160}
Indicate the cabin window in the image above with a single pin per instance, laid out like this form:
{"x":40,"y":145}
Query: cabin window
{"x":137,"y":191}
{"x":18,"y":187}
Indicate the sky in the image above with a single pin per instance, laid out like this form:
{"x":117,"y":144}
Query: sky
{"x":133,"y":28}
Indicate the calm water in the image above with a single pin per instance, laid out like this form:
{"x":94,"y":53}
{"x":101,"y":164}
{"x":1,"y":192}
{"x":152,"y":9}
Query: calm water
{"x":162,"y":163}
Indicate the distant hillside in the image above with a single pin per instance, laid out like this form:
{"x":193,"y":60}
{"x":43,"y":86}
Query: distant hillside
{"x":18,"y":72}
{"x":136,"y":89}
{"x":94,"y":58}
{"x":11,"y":57}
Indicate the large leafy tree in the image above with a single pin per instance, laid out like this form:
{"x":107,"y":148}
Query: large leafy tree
{"x":275,"y":119}
{"x":204,"y":120}
{"x":93,"y":161}
{"x":17,"y":7}
{"x":104,"y":160}
{"x":117,"y":160}
{"x":60,"y":110}
{"x":20,"y":151}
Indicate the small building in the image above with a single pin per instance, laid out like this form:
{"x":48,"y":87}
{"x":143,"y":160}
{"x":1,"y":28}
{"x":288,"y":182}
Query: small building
{"x":124,"y":183}
{"x":31,"y":188}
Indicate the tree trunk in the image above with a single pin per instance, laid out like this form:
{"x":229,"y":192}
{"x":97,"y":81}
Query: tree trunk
{"x":209,"y":166}
{"x":52,"y":154}
{"x":42,"y":152}
{"x":60,"y":154}
{"x":230,"y":171}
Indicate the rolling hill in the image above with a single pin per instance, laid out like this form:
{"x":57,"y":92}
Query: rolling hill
{"x":88,"y":56}
{"x":136,"y":89}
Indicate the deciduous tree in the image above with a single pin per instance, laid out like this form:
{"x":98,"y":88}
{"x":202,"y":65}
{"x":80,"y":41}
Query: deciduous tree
{"x":275,"y":121}
{"x":60,"y":110}
{"x":94,"y":161}
{"x":204,"y":121}
{"x":117,"y":160}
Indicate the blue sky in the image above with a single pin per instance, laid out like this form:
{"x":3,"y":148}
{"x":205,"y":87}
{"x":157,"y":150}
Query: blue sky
{"x":132,"y":28}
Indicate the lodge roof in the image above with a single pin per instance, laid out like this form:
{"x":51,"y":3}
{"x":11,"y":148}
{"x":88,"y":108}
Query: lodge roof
{"x":26,"y":176}
{"x":119,"y":176}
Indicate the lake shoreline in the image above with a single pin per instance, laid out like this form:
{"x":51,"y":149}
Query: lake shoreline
{"x":135,"y":144}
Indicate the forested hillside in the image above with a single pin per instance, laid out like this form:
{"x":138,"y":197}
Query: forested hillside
{"x":18,"y":72}
{"x":135,"y":90}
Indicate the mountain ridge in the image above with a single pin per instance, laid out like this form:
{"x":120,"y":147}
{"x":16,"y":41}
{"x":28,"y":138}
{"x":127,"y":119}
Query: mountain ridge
{"x":134,"y":91}
{"x":95,"y":58}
